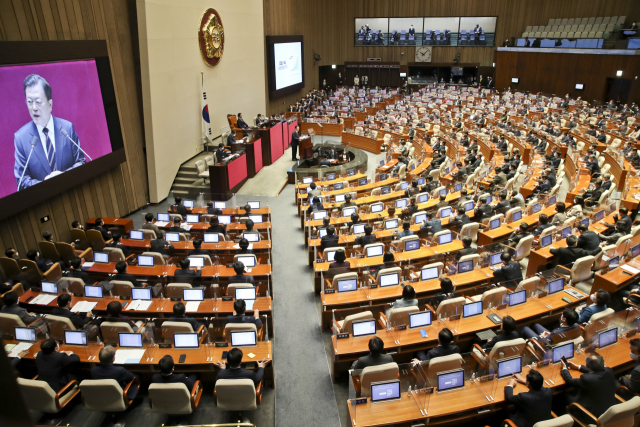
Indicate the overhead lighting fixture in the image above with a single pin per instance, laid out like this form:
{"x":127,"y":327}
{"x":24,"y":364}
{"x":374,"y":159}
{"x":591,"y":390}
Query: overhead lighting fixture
{"x":619,"y":73}
{"x":333,"y":65}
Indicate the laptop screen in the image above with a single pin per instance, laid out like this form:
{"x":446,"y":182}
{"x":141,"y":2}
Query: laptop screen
{"x":196,"y":261}
{"x":251,"y":237}
{"x":384,"y":391}
{"x":635,"y":251}
{"x":351,"y":172}
{"x":223,"y":205}
{"x":75,"y":337}
{"x":193,"y":219}
{"x":535,"y":208}
{"x":25,"y":334}
{"x":347,"y":285}
{"x":385,"y":190}
{"x":465,"y":266}
{"x":188,"y":203}
{"x":246,"y":294}
{"x":331,"y":176}
{"x":556,"y":286}
{"x":101,"y":257}
{"x":614,"y":262}
{"x":389,"y":280}
{"x":92,"y":291}
{"x":421,"y":181}
{"x":322,"y":232}
{"x":468,"y":206}
{"x":364,"y":327}
{"x":608,"y":337}
{"x":319,"y":215}
{"x":495,"y":223}
{"x":338,"y":186}
{"x":130,"y":340}
{"x":145,"y":261}
{"x":418,"y":320}
{"x":307,"y":180}
{"x":163,"y":217}
{"x":377,"y":207}
{"x":243,"y":338}
{"x":224,"y":219}
{"x":391,"y":224}
{"x":445,"y":238}
{"x":188,"y":340}
{"x":411,"y":245}
{"x":248,"y":261}
{"x":472,"y":309}
{"x":429,"y":273}
{"x":566,"y":232}
{"x":546,"y":240}
{"x":598,"y":216}
{"x":254,"y":205}
{"x":172,"y":237}
{"x":495,"y":258}
{"x":517,"y":298}
{"x":445,"y":212}
{"x":382,"y":162}
{"x":211,"y":238}
{"x":457,"y":187}
{"x":348,"y":211}
{"x":489,"y":199}
{"x":193,"y":294}
{"x":141,"y":293}
{"x":450,"y":380}
{"x":401,"y":203}
{"x":565,"y":350}
{"x":339,"y":198}
{"x":552,"y":200}
{"x":50,"y":287}
{"x":509,"y":367}
{"x":585,"y":221}
{"x":404,"y":185}
{"x":358,"y":229}
{"x":382,"y":177}
{"x":443,"y":192}
{"x":423,"y":198}
{"x":375,"y":250}
{"x":362,"y":181}
{"x":420,"y":218}
{"x":517,"y":215}
{"x":257,"y":219}
{"x":330,"y":255}
{"x":135,"y":235}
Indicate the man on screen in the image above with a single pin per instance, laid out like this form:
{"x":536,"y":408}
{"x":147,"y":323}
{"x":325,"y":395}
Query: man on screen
{"x":53,"y":152}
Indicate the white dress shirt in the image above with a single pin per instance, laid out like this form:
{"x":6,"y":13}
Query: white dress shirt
{"x":43,"y":137}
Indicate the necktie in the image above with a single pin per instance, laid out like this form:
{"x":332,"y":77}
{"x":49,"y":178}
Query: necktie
{"x":51,"y":152}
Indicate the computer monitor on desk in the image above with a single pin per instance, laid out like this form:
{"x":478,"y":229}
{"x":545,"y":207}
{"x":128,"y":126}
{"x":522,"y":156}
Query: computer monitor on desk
{"x":318,"y":215}
{"x":509,"y":367}
{"x":607,"y":338}
{"x":516,"y":216}
{"x":50,"y":287}
{"x":75,"y":338}
{"x":385,"y":190}
{"x":339,"y":198}
{"x":468,"y":206}
{"x":172,"y":237}
{"x":348,"y":211}
{"x":193,"y":219}
{"x":429,"y":273}
{"x":566,"y":232}
{"x":92,"y":291}
{"x":494,"y":223}
{"x":101,"y":257}
{"x":307,"y":180}
{"x":385,"y":391}
{"x":450,"y":380}
{"x":401,"y":203}
{"x":129,"y":340}
{"x":330,"y":176}
{"x":391,"y":224}
{"x":363,"y":328}
{"x":223,"y":205}
{"x":347,"y":285}
{"x":224,"y":219}
{"x":196,"y":262}
{"x":457,"y":187}
{"x":556,"y":286}
{"x":390,"y":279}
{"x":254,"y":205}
{"x":194,"y":294}
{"x":565,"y":350}
{"x":362,"y":181}
{"x":546,"y":240}
{"x":472,"y":309}
{"x":465,"y":266}
{"x":420,"y":319}
{"x":257,"y":219}
{"x":535,"y":208}
{"x":141,"y":294}
{"x":135,"y":235}
{"x":445,"y":238}
{"x":598,"y":216}
{"x":145,"y":261}
{"x":188,"y":204}
{"x":187,"y":340}
{"x":25,"y":334}
{"x":445,"y":212}
{"x":164,"y":217}
{"x":338,"y":186}
{"x":211,"y":238}
{"x":376,"y":250}
{"x":517,"y":298}
{"x":423,"y":198}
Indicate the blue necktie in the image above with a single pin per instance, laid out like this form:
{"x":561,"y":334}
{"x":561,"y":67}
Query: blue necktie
{"x":51,"y":152}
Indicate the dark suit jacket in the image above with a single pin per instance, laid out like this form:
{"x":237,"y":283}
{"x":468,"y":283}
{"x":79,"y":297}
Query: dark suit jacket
{"x":174,"y":378}
{"x":52,"y":368}
{"x":370,"y":360}
{"x":466,"y":251}
{"x":531,"y":406}
{"x":595,"y":390}
{"x":569,"y":255}
{"x":241,"y":124}
{"x":123,"y":248}
{"x":329,"y":241}
{"x":501,"y":337}
{"x":198,"y":252}
{"x":589,"y":241}
{"x":105,"y":233}
{"x":633,"y":383}
{"x":78,"y":320}
{"x":78,"y":275}
{"x":240,"y":373}
{"x":126,"y":277}
{"x":44,"y":264}
{"x":244,"y":319}
{"x":217,"y":229}
{"x":187,"y":275}
{"x":440,"y":351}
{"x":365,"y":240}
{"x":539,"y":229}
{"x":510,"y":271}
{"x":68,"y":156}
{"x":161,"y":246}
{"x":241,"y":278}
{"x":190,"y":320}
{"x":111,"y":372}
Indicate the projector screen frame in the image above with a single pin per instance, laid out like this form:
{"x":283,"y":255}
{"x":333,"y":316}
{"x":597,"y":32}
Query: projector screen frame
{"x":271,"y":41}
{"x":41,"y":52}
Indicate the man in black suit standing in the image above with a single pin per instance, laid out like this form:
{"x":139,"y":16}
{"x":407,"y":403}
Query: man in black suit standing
{"x":241,"y":123}
{"x":106,"y":371}
{"x":235,"y":370}
{"x":186,"y":274}
{"x":295,"y":140}
{"x":510,"y":269}
{"x":596,"y":387}
{"x":532,"y":406}
{"x":444,"y":348}
{"x":240,"y":277}
{"x":62,"y":310}
{"x":52,"y":365}
{"x":178,"y":316}
{"x":375,"y":356}
{"x":166,"y":375}
{"x":588,"y":239}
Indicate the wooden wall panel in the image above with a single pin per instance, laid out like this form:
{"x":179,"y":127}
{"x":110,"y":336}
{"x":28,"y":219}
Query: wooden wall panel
{"x":327,"y":27}
{"x":122,"y":189}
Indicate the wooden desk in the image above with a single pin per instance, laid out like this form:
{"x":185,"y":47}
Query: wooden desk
{"x":486,"y":237}
{"x":252,"y":146}
{"x":126,"y":224}
{"x":234,"y":227}
{"x":326,"y":129}
{"x":226,"y":177}
{"x":273,"y":145}
{"x":362,"y":142}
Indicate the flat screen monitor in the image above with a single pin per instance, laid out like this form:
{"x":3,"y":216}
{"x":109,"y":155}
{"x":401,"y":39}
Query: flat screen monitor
{"x":223,"y":205}
{"x":75,"y":337}
{"x":509,"y":367}
{"x":517,"y":298}
{"x":244,"y":339}
{"x":445,"y":238}
{"x":579,"y":86}
{"x":450,"y":380}
{"x":495,"y":259}
{"x":614,"y":262}
{"x":196,"y":261}
{"x":188,"y":204}
{"x":391,"y":224}
{"x":164,"y":217}
{"x":423,"y":198}
{"x":375,"y":250}
{"x":364,"y":327}
{"x":552,"y":200}
{"x":546,"y":240}
{"x":25,"y":334}
{"x":442,"y":192}
{"x":338,"y":186}
{"x":385,"y":190}
{"x":566,"y":232}
{"x":515,"y":80}
{"x":382,"y":162}
{"x":135,"y":235}
{"x":318,"y":215}
{"x":190,"y":340}
{"x":330,"y":255}
{"x":377,"y":207}
{"x":193,"y":294}
{"x":348,"y":211}
{"x":358,"y":229}
{"x":429,"y":273}
{"x":489,"y":199}
{"x":411,"y":245}
{"x":445,"y":212}
{"x":404,"y":185}
{"x":391,"y":279}
{"x":421,"y":181}
{"x":384,"y":391}
{"x":130,"y":340}
{"x":101,"y":257}
{"x":420,"y":319}
{"x":141,"y":293}
{"x":224,"y":219}
{"x":401,"y":203}
{"x":383,"y":177}
{"x":472,"y":309}
{"x":495,"y":223}
{"x":248,"y":261}
{"x":50,"y":287}
{"x":348,"y":285}
{"x":330,"y":176}
{"x":556,"y":286}
{"x":307,"y":180}
{"x":362,"y":181}
{"x":468,"y":206}
{"x":607,"y":338}
{"x":351,"y":172}
{"x":585,"y":221}
{"x":558,"y":352}
{"x":465,"y":266}
{"x":257,"y":219}
{"x":211,"y":238}
{"x":193,"y":219}
{"x":145,"y":261}
{"x":339,"y":198}
{"x":457,"y":187}
{"x":92,"y":291}
{"x":420,"y":218}
{"x":598,"y":216}
{"x":172,"y":237}
{"x":251,"y":237}
{"x":254,"y":205}
{"x":246,"y":294}
{"x":517,"y":215}
{"x":536,"y":208}
{"x":635,"y":251}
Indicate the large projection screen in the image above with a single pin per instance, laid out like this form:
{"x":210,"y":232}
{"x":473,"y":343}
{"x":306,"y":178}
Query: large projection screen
{"x":285,"y":62}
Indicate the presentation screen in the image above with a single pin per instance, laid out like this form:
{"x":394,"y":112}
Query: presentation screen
{"x":285,"y":59}
{"x":60,"y":125}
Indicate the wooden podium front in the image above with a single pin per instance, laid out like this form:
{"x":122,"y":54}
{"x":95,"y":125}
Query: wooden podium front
{"x":272,"y":142}
{"x":227,"y":177}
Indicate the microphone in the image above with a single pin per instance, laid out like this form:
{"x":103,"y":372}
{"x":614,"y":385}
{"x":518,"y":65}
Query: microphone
{"x":34,"y":141}
{"x":64,"y":132}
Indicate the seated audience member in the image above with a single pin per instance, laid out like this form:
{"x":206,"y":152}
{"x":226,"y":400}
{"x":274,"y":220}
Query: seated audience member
{"x":432,"y":224}
{"x":211,"y":210}
{"x":99,"y":226}
{"x":75,"y":270}
{"x":595,"y":388}
{"x":166,"y":375}
{"x":197,"y":248}
{"x":340,"y":260}
{"x":446,"y":292}
{"x":315,"y":191}
{"x":105,"y":370}
{"x":11,"y":307}
{"x":53,"y":365}
{"x":467,"y":249}
{"x":235,"y":370}
{"x":444,"y":348}
{"x":186,"y":274}
{"x":408,"y":298}
{"x":612,"y":239}
{"x":624,"y":217}
{"x":244,"y":247}
{"x":406,"y":230}
{"x":560,"y":215}
{"x":240,"y":277}
{"x":329,"y":240}
{"x":179,"y":310}
{"x":149,"y":225}
{"x":600,"y":299}
{"x":368,"y":237}
{"x":544,"y":224}
{"x":632,"y":380}
{"x":114,"y":314}
{"x":115,"y":243}
{"x":180,"y":208}
{"x":532,"y":406}
{"x":507,"y":333}
{"x":77,"y":225}
{"x":175,"y":228}
{"x":64,"y":310}
{"x":519,"y":234}
{"x":316,"y":205}
{"x":162,"y":246}
{"x":576,"y":209}
{"x":43,"y":264}
{"x":215,"y":226}
{"x":375,"y":356}
{"x":239,"y":316}
{"x":510,"y":269}
{"x":567,"y":256}
{"x":588,"y":239}
{"x":347,"y":202}
{"x":121,"y":268}
{"x":568,"y":321}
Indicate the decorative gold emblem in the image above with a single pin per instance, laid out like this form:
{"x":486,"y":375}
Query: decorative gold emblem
{"x":211,"y":37}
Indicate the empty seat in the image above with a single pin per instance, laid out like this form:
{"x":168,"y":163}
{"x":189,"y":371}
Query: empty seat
{"x":554,"y":28}
{"x":606,"y":20}
{"x":588,"y":27}
{"x":591,"y":20}
{"x":564,"y":34}
{"x":106,"y":395}
{"x":574,"y":28}
{"x":39,"y":396}
{"x":174,"y":399}
{"x":621,"y":20}
{"x":591,"y":35}
{"x":584,"y":21}
{"x":609,"y":27}
{"x":581,"y":27}
{"x":571,"y":34}
{"x":571,"y":21}
{"x":536,"y":35}
{"x":565,"y":21}
{"x":599,"y":34}
{"x":598,"y":20}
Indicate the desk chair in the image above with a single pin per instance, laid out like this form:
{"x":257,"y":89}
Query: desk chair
{"x":384,"y":271}
{"x":174,"y":398}
{"x":563,"y":421}
{"x":530,"y":285}
{"x":106,"y":395}
{"x":547,"y":231}
{"x":174,"y":290}
{"x":234,"y":327}
{"x":17,"y":288}
{"x":121,"y":288}
{"x":39,"y":396}
{"x":624,"y":239}
{"x":400,"y":245}
{"x":474,"y":257}
{"x":620,"y":415}
{"x":499,"y":351}
{"x":579,"y":272}
{"x":48,"y":251}
{"x":9,"y":321}
{"x":158,"y":258}
{"x":79,"y":237}
{"x":440,"y":233}
{"x":449,"y":307}
{"x":116,"y":254}
{"x":470,"y":230}
{"x":440,"y":210}
{"x":110,"y":330}
{"x":435,"y":174}
{"x":373,"y":374}
{"x":331,"y":278}
{"x":96,"y":241}
{"x":54,"y":274}
{"x":237,"y":395}
{"x":523,"y":248}
{"x":68,"y":252}
{"x":231,"y":288}
{"x":443,"y":364}
{"x":173,"y":216}
{"x":600,"y":318}
{"x":10,"y":267}
{"x":490,"y":298}
{"x":598,"y":264}
{"x":76,"y":285}
{"x":148,"y":234}
{"x":345,"y":326}
{"x":169,"y":328}
{"x":397,"y":316}
{"x":203,"y":170}
{"x":364,"y":251}
{"x":57,"y":325}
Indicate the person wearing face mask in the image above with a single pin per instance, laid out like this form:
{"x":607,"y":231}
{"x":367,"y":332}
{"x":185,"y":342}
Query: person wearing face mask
{"x":600,"y":300}
{"x":567,"y":322}
{"x":632,"y":379}
{"x":595,"y":388}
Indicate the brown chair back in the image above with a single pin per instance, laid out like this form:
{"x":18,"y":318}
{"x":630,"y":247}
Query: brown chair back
{"x":48,"y":251}
{"x":9,"y":266}
{"x":95,"y":240}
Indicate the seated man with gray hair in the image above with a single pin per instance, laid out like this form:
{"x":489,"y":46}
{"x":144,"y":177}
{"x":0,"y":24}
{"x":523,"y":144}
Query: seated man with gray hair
{"x":106,"y":371}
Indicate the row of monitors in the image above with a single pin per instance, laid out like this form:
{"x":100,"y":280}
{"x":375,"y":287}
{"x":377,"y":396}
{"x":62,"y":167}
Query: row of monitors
{"x":250,"y":236}
{"x":134,"y":340}
{"x":195,"y":219}
{"x":194,"y":261}
{"x":329,"y":176}
{"x":219,"y":205}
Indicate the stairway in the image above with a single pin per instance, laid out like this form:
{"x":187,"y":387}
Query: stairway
{"x":187,"y":184}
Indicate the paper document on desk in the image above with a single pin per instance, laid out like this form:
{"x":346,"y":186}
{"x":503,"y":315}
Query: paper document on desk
{"x":87,"y":265}
{"x":139,"y":305}
{"x":630,"y":269}
{"x":43,"y":299}
{"x":83,"y":307}
{"x":192,"y":306}
{"x":15,"y":351}
{"x":186,"y":226}
{"x":128,"y":356}
{"x":250,"y":247}
{"x":161,"y":223}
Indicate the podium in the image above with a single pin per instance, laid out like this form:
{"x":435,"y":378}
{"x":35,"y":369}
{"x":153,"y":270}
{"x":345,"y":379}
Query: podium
{"x":271,"y":135}
{"x":227,"y":177}
{"x":252,"y":147}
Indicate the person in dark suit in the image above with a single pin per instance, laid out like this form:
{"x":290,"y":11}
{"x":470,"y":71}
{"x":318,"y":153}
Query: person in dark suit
{"x":50,"y":138}
{"x":235,"y":370}
{"x":624,"y":217}
{"x":504,"y":202}
{"x":244,"y":247}
{"x":241,"y":123}
{"x":375,"y":356}
{"x":149,"y":225}
{"x":461,"y":218}
{"x":114,"y":314}
{"x":238,"y":316}
{"x":186,"y":274}
{"x":11,"y":307}
{"x":567,"y":256}
{"x":340,"y":260}
{"x":510,"y":269}
{"x":116,"y":244}
{"x":330,"y":239}
{"x":368,"y":237}
{"x":506,"y":43}
{"x":568,"y":321}
{"x":197,"y":248}
{"x":106,"y":371}
{"x":508,"y":333}
{"x":544,"y":224}
{"x":446,"y":292}
{"x":532,"y":406}
{"x":240,"y":277}
{"x":99,"y":226}
{"x":121,"y":268}
{"x":600,"y":299}
{"x":588,"y":239}
{"x":43,"y":264}
{"x":431,"y":225}
{"x":444,"y":348}
{"x":215,"y":226}
{"x":161,"y":246}
{"x":221,"y":154}
{"x":63,"y":310}
{"x":175,"y":228}
{"x":596,"y":387}
{"x":75,"y":270}
{"x":632,"y":380}
{"x":211,"y":210}
{"x":166,"y":375}
{"x":467,"y":249}
{"x":519,"y":234}
{"x":295,"y":140}
{"x":53,"y":365}
{"x":178,"y":316}
{"x":483,"y":210}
